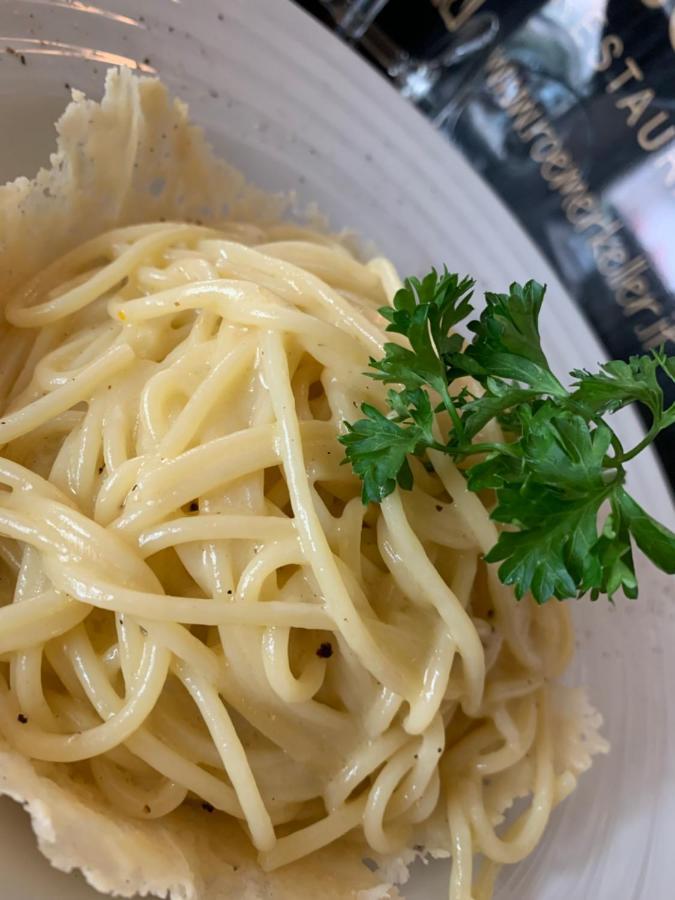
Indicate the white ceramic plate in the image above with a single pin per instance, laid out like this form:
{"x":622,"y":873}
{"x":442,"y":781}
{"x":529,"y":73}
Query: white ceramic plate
{"x":295,"y":109}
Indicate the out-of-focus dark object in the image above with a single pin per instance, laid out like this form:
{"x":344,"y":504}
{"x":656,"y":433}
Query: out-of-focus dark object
{"x":567,"y":108}
{"x":355,"y":17}
{"x":416,"y":49}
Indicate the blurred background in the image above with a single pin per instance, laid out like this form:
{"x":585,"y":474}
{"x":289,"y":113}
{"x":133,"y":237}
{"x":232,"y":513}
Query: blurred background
{"x":567,"y":108}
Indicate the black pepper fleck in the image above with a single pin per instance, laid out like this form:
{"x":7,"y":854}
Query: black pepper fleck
{"x":439,"y":508}
{"x":325,"y":650}
{"x":100,"y":469}
{"x":208,"y":807}
{"x":21,"y":718}
{"x":147,"y":60}
{"x":194,"y":506}
{"x":146,"y":809}
{"x":23,"y":59}
{"x":490,"y":613}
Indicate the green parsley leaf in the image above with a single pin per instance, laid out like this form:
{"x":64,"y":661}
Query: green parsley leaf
{"x":619,"y":383}
{"x":378,"y":447}
{"x":537,"y":558}
{"x":498,"y":399}
{"x":425,"y":312}
{"x":554,"y":500}
{"x":655,"y":540}
{"x":562,"y":450}
{"x":615,"y":556}
{"x":507,"y":342}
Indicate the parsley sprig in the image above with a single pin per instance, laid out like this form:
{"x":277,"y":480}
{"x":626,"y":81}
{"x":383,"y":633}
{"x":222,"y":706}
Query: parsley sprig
{"x":559,"y":462}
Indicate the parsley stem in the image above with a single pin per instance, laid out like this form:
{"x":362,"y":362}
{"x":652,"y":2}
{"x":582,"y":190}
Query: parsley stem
{"x":452,"y":410}
{"x":616,"y":444}
{"x":638,"y":448}
{"x":486,"y":447}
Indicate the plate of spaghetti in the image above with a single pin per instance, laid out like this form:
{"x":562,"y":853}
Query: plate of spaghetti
{"x":297,"y":550}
